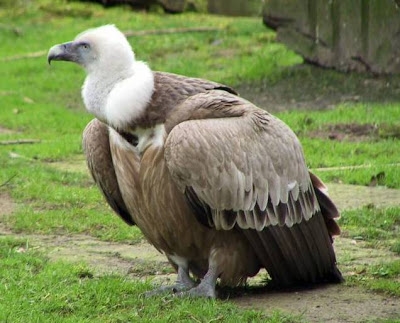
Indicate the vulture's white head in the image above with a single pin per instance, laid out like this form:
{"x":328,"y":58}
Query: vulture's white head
{"x":96,"y":49}
{"x":117,"y":88}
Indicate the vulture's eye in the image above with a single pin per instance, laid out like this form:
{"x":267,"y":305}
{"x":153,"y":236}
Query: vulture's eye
{"x":85,"y":46}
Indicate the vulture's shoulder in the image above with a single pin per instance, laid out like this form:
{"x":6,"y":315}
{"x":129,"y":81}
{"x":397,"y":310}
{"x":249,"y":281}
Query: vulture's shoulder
{"x":214,"y":104}
{"x":187,"y":85}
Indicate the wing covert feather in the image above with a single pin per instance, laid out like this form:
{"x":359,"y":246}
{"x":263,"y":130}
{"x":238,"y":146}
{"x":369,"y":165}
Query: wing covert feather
{"x":250,"y":163}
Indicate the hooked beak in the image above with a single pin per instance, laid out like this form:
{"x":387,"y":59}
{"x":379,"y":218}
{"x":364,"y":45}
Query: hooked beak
{"x":63,"y":52}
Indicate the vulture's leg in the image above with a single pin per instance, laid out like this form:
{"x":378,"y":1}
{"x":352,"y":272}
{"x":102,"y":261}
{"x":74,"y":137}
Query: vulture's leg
{"x":183,"y":283}
{"x":207,"y":286}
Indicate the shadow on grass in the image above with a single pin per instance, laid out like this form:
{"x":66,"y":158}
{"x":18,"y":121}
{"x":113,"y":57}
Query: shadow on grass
{"x":308,"y":87}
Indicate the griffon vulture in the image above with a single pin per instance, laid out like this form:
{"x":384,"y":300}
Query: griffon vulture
{"x":215,"y":183}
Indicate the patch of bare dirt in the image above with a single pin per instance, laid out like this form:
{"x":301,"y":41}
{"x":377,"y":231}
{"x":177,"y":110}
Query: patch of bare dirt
{"x":346,"y":131}
{"x":77,"y":164}
{"x":138,"y":260}
{"x":356,"y":132}
{"x":328,"y":303}
{"x":348,"y":196}
{"x":7,"y":205}
{"x":5,"y":130}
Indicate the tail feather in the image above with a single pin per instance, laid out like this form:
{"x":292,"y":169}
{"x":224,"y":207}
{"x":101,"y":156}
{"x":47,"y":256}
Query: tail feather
{"x":328,"y":208}
{"x":270,"y":255}
{"x":298,"y":255}
{"x":292,"y":251}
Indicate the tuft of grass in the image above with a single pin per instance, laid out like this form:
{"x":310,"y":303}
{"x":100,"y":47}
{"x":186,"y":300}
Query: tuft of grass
{"x":383,"y":277}
{"x":377,"y":226}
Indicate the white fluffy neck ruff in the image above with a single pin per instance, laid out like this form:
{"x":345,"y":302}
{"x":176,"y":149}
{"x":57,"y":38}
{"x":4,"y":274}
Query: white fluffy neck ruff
{"x":119,"y":98}
{"x":129,"y":97}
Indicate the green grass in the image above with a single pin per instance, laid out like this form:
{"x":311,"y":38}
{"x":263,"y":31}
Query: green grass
{"x":378,"y":152}
{"x":377,"y":226}
{"x":380,"y":278}
{"x":57,"y":201}
{"x":32,"y":289}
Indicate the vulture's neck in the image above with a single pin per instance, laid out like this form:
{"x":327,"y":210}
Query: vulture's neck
{"x":118,"y":99}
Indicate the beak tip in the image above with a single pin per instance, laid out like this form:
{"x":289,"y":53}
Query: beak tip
{"x":57,"y":53}
{"x":51,"y":55}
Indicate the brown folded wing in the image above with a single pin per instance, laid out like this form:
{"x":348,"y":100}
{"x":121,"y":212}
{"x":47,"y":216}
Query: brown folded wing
{"x":251,"y":164}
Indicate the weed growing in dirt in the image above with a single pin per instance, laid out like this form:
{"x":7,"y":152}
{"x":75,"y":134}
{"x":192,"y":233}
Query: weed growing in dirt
{"x":380,"y":277}
{"x":377,"y":226}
